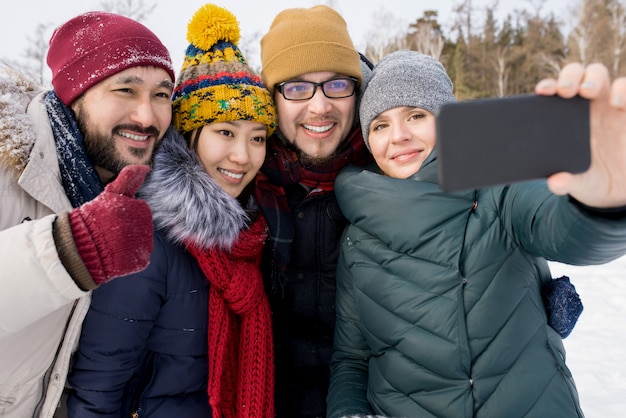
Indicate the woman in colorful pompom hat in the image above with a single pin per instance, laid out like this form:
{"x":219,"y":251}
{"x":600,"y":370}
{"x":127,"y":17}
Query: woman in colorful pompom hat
{"x":190,"y":336}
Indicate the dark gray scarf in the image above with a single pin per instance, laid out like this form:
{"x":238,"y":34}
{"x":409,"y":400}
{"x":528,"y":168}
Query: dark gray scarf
{"x":79,"y":176}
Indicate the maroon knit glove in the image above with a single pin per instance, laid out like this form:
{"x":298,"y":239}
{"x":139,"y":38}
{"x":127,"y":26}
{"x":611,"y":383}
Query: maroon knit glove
{"x":113,"y":232}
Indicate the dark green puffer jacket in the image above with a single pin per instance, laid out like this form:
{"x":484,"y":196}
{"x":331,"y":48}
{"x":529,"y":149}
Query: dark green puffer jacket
{"x":439,"y":311}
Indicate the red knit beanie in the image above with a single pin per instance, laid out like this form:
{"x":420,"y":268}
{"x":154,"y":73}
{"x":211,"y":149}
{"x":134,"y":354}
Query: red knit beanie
{"x":96,"y":45}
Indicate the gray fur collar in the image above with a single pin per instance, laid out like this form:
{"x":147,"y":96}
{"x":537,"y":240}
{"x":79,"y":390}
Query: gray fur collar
{"x":186,"y":202}
{"x":17,"y":133}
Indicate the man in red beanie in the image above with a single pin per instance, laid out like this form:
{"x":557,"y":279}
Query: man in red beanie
{"x":71,"y":160}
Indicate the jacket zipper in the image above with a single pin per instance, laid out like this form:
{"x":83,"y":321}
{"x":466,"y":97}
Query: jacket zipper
{"x":135,"y":413}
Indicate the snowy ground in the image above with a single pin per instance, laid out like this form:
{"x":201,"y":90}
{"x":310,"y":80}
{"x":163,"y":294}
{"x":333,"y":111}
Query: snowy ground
{"x":596,"y":348}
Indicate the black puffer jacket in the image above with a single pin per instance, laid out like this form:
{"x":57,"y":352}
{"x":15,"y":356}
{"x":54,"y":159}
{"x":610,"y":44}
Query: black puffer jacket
{"x":303,"y":304}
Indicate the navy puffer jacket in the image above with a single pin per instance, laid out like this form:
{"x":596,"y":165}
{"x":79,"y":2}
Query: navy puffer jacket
{"x":143,"y":347}
{"x":146,"y":337}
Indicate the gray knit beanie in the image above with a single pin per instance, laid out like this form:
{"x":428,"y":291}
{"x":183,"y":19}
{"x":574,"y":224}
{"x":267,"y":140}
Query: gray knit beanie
{"x":404,"y":78}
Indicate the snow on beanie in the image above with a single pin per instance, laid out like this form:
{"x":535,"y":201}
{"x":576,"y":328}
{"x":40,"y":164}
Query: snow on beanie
{"x":96,"y":45}
{"x":404,"y":78}
{"x":302,"y":41}
{"x":215,"y":83}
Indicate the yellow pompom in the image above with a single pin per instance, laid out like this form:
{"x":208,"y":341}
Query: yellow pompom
{"x":211,"y":24}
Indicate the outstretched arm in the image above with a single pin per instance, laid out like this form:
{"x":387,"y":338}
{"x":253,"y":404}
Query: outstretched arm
{"x":603,"y":185}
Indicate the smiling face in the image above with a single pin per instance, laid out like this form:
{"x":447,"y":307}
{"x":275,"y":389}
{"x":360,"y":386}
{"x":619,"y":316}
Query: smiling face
{"x":124,"y":117}
{"x":401,"y":139}
{"x":317,"y":126}
{"x":232,"y":152}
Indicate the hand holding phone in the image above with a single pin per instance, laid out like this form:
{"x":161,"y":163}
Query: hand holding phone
{"x":504,"y":140}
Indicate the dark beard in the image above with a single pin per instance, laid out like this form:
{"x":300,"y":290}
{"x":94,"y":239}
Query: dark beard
{"x":100,"y":149}
{"x":305,"y":159}
{"x":309,"y":161}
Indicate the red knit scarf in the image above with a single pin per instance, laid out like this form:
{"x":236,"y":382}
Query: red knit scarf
{"x":241,"y":365}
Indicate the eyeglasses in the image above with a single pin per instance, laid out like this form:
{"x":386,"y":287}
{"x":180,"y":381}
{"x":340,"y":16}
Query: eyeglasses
{"x":337,"y":88}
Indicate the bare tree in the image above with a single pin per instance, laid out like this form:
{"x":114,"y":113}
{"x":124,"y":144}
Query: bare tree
{"x":617,"y":15}
{"x":506,"y":59}
{"x":589,"y":36}
{"x":36,"y":52}
{"x":599,"y":34}
{"x":463,"y":22}
{"x":425,"y":35}
{"x":551,"y":63}
{"x":134,"y":9}
{"x":502,"y":74}
{"x":495,"y":47}
{"x":536,"y":6}
{"x":386,"y":35}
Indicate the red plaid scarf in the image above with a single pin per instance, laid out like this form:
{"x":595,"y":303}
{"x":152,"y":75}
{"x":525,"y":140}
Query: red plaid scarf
{"x":284,"y":167}
{"x":241,"y":365}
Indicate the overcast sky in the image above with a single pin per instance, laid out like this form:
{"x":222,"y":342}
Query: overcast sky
{"x":169,"y":19}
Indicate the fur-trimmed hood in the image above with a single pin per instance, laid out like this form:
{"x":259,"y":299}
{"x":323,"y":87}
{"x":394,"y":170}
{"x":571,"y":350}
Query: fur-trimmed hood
{"x":17,"y":133}
{"x":186,"y":202}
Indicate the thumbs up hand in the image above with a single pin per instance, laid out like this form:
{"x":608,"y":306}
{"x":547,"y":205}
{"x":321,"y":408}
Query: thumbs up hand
{"x":113,"y":233}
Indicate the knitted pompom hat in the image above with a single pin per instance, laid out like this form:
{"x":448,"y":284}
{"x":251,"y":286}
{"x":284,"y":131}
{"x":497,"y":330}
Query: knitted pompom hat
{"x":404,"y":78}
{"x":215,"y":83}
{"x":302,"y":41}
{"x":96,"y":45}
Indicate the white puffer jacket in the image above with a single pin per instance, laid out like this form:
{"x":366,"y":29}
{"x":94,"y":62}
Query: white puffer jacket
{"x":41,"y":308}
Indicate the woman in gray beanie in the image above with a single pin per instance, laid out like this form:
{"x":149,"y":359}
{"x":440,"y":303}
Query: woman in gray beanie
{"x":439,"y":306}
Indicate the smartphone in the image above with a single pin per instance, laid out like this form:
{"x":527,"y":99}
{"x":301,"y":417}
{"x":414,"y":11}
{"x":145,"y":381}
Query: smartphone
{"x":495,"y":141}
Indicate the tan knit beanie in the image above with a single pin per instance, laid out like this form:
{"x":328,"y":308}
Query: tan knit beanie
{"x":305,"y":41}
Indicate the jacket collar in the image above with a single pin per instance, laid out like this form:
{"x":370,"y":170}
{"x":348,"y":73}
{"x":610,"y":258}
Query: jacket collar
{"x":186,"y":202}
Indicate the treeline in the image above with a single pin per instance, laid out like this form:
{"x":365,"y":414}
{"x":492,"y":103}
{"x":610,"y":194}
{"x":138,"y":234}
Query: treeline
{"x":488,"y":58}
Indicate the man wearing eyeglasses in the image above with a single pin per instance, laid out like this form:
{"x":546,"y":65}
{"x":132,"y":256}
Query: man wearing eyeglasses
{"x":310,"y":64}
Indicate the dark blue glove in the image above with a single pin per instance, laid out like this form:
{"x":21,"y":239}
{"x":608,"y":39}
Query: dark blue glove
{"x":563,"y":305}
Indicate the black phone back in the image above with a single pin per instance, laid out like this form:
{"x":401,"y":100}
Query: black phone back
{"x":500,"y":141}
